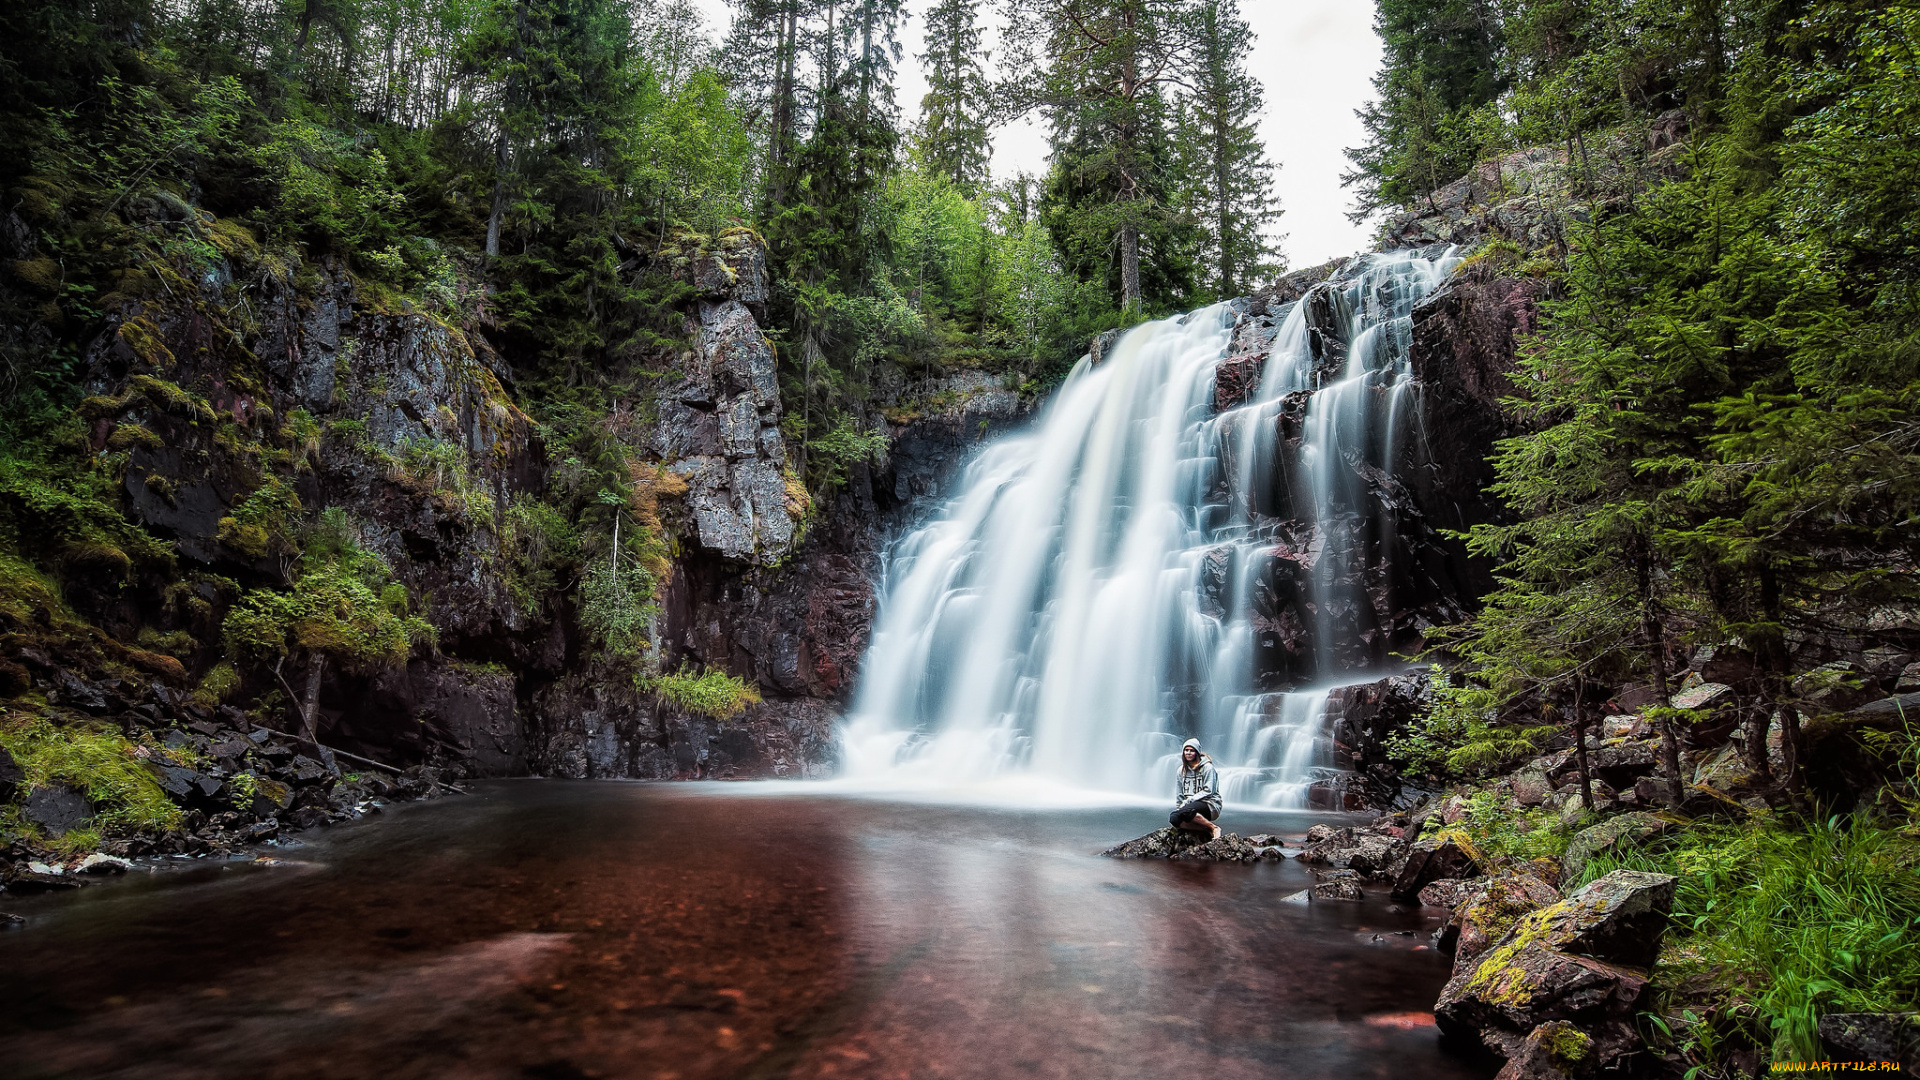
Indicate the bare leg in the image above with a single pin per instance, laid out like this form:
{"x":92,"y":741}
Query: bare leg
{"x":1199,"y":823}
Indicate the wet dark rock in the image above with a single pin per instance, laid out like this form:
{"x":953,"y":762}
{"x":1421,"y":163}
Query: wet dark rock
{"x":57,"y":808}
{"x":1183,"y":844}
{"x":1101,"y":346}
{"x":11,"y":775}
{"x":1431,"y":860}
{"x":304,"y":770}
{"x":1367,"y":854}
{"x":1874,"y":1037}
{"x":1338,"y":890}
{"x":24,"y":879}
{"x":100,"y":863}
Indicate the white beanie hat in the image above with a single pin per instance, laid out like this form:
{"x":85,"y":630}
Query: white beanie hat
{"x":1195,"y":743}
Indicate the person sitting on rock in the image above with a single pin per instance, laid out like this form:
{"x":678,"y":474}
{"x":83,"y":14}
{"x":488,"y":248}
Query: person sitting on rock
{"x":1199,"y":803}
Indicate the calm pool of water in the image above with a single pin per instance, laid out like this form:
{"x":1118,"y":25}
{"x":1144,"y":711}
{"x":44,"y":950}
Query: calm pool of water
{"x":554,"y":929}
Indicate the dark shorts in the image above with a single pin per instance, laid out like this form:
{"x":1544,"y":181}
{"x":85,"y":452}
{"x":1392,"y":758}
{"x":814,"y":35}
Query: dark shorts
{"x":1210,"y":808}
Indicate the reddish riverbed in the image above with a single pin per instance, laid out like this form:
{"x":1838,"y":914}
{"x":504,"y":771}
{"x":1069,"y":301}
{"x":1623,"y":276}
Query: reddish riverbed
{"x":548,"y":929}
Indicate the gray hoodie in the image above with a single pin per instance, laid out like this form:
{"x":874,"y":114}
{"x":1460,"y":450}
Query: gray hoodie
{"x":1200,"y":783}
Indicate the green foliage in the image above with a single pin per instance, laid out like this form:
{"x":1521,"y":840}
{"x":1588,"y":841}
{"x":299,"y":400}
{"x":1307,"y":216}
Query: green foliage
{"x":844,"y":445}
{"x":617,"y":607}
{"x":241,"y":788}
{"x":541,"y":543}
{"x":1798,"y":920}
{"x":713,"y":694}
{"x":1440,"y":66}
{"x":1514,"y":835}
{"x":343,"y":605}
{"x":219,"y":683}
{"x":97,"y":759}
{"x":262,"y":524}
{"x":1463,"y":732}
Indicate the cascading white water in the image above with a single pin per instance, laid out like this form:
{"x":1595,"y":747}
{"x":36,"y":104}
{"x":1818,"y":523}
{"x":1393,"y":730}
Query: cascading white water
{"x":1110,"y":581}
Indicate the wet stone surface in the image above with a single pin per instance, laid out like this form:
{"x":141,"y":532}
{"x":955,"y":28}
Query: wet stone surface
{"x":554,"y":928}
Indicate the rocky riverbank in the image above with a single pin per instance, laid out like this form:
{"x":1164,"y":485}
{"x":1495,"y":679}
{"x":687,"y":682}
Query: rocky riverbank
{"x":236,"y":794}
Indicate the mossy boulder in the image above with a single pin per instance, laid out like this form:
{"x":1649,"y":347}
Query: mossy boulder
{"x":1611,"y":835}
{"x":1582,"y":961}
{"x":1555,"y":1050}
{"x":1485,"y":916}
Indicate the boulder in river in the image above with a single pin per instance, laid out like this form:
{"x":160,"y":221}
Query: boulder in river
{"x":1183,"y":845}
{"x":1373,"y":852}
{"x":1338,"y":885}
{"x":1582,"y":960}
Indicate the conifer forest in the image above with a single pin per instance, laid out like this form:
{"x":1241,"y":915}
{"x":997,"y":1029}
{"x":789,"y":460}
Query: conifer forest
{"x":400,"y":399}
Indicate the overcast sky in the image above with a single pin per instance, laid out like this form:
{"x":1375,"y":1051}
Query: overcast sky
{"x":1316,"y":59}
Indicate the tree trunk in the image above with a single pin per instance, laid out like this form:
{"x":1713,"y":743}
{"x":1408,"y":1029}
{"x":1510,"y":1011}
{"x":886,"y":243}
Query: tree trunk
{"x":1580,"y":722}
{"x":1129,"y":267}
{"x":1754,"y":735}
{"x":310,"y":710}
{"x":1656,"y":636}
{"x":1795,"y":780}
{"x":499,"y":191}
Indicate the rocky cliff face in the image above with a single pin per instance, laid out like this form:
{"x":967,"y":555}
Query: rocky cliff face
{"x":760,"y":588}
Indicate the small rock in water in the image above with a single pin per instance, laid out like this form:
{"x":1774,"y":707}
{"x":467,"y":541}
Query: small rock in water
{"x":1180,"y":844}
{"x":1341,"y":889}
{"x":101,"y":863}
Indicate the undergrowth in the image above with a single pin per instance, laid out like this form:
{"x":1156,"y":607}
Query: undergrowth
{"x":1798,"y":920}
{"x":97,"y":759}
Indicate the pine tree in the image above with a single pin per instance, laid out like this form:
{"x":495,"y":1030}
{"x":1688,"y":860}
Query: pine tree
{"x":954,"y":135}
{"x":1229,"y":162}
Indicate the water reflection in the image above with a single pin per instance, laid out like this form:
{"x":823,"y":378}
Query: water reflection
{"x":549,"y":929}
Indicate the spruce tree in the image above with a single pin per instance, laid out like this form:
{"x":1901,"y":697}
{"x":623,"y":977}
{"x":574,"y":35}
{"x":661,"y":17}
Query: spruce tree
{"x":1229,"y":163}
{"x":1101,"y":70}
{"x":954,"y":135}
{"x":1440,"y":65}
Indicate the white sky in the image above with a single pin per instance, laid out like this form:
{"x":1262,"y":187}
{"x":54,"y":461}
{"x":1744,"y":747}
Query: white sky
{"x":1316,"y":59}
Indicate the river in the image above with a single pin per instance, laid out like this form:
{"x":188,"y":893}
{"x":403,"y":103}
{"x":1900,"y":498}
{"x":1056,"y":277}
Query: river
{"x":559,"y":929}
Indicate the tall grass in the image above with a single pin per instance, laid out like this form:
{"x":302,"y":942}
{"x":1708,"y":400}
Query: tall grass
{"x":1799,"y":919}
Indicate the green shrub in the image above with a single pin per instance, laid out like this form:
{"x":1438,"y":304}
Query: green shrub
{"x":616,"y":607}
{"x":1461,"y":736}
{"x":344,"y":604}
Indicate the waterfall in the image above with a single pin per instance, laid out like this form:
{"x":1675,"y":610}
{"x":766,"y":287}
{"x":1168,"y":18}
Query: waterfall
{"x":1140,"y":566}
